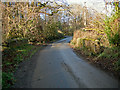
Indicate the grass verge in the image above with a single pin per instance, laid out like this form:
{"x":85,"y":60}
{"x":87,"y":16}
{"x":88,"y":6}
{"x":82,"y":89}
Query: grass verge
{"x":11,"y":57}
{"x":108,"y":60}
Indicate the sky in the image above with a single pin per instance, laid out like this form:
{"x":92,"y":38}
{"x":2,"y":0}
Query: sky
{"x":98,"y":5}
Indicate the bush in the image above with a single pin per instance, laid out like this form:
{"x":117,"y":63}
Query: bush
{"x":51,"y":31}
{"x":7,"y":79}
{"x":117,"y":65}
{"x":112,"y":28}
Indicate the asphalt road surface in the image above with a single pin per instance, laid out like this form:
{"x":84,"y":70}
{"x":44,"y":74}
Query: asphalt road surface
{"x":57,"y":66}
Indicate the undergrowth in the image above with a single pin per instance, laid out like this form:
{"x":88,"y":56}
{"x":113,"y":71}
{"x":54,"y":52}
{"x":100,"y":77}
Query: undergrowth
{"x":11,"y":57}
{"x":112,"y":54}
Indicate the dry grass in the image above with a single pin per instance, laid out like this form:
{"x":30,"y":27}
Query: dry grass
{"x":91,"y":39}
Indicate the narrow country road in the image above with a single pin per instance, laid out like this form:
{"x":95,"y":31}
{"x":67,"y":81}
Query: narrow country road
{"x":57,"y":66}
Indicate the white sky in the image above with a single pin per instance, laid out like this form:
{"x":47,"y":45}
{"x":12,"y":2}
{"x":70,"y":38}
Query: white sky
{"x":98,"y":5}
